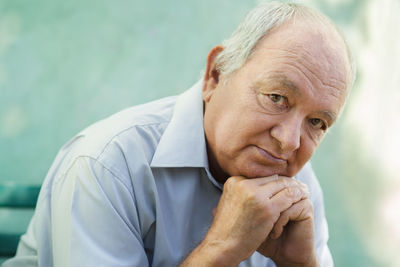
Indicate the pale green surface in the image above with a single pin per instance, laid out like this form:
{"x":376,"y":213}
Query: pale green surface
{"x":2,"y":260}
{"x":14,"y":221}
{"x":67,"y":64}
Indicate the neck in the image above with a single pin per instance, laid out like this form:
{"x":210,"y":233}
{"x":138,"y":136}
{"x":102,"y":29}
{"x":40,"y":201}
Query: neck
{"x":219,"y":174}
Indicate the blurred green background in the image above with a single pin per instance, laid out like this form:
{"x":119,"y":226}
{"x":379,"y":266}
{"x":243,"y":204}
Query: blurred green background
{"x":67,"y":64}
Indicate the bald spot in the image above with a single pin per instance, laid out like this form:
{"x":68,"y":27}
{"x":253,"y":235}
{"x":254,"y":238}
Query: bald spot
{"x":303,"y":37}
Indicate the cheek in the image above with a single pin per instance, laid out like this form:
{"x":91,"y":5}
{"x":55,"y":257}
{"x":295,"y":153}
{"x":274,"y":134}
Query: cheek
{"x":304,"y":153}
{"x":237,"y":132}
{"x":306,"y":150}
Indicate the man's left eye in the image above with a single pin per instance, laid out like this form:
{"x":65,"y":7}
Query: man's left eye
{"x":318,"y":123}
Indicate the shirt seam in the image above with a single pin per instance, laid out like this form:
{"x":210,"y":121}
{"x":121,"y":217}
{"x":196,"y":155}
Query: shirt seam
{"x":123,"y":131}
{"x":101,"y":187}
{"x":96,"y":161}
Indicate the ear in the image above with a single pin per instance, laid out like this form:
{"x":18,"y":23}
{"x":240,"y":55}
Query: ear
{"x":211,"y":76}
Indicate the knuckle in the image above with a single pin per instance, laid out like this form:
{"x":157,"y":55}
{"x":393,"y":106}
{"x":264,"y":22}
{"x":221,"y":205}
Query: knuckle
{"x":305,"y":188}
{"x":307,"y":209}
{"x":269,"y":211}
{"x":282,"y":182}
{"x":250,"y":196}
{"x":304,"y":193}
{"x":285,"y":182}
{"x":302,"y":184}
{"x":310,"y":205}
{"x":292,"y":192}
{"x":242,"y":185}
{"x":231,"y":182}
{"x":268,"y":207}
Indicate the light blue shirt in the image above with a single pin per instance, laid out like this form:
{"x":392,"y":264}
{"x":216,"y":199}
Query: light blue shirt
{"x":135,"y":190}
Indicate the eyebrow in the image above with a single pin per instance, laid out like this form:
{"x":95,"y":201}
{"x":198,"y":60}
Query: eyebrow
{"x":283,"y":81}
{"x":332,"y":116}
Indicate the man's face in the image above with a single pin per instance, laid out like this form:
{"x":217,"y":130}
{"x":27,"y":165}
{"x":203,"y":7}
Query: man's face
{"x":269,"y":116}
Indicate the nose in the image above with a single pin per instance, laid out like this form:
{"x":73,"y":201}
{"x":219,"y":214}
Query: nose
{"x":288,"y":133}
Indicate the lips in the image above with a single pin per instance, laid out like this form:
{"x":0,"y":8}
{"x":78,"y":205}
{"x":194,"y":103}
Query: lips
{"x":269,"y":157}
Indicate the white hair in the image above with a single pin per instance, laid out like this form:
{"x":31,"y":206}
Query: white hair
{"x":258,"y":22}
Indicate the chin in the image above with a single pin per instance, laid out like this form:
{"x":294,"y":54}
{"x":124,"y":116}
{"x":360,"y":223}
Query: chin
{"x":294,"y":169}
{"x":257,"y":171}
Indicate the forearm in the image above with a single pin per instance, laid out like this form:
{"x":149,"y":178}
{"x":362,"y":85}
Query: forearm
{"x":311,"y":262}
{"x":247,"y":213}
{"x":211,"y":253}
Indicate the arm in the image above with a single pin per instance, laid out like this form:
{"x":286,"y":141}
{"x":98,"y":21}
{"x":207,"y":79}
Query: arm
{"x":94,"y":220}
{"x":246,"y":215}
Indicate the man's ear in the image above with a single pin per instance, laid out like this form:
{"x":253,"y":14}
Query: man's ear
{"x":211,"y":76}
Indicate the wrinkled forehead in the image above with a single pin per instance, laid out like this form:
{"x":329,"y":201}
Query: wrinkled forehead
{"x":317,"y":46}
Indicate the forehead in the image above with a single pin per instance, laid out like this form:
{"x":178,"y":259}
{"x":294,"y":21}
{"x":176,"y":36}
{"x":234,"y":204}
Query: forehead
{"x":303,"y":61}
{"x":315,"y":49}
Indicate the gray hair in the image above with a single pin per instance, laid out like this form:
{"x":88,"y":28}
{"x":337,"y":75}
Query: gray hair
{"x":258,"y":22}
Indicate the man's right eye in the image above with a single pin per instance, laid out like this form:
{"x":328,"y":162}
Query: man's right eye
{"x":279,"y":100}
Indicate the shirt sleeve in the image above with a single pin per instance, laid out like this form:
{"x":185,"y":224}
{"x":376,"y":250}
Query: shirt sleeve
{"x":94,"y":219}
{"x":320,"y":224}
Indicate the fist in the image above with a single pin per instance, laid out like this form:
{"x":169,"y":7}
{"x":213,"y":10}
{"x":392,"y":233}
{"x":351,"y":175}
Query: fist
{"x":253,"y":214}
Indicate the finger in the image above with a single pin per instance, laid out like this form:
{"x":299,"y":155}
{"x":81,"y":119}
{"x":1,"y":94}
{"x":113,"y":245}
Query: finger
{"x":264,"y":180}
{"x":285,"y":198}
{"x":232,"y":180}
{"x":299,"y":211}
{"x":275,"y":186}
{"x":254,"y":182}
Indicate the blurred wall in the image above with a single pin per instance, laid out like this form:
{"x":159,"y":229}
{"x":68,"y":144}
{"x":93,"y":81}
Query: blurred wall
{"x":67,"y":64}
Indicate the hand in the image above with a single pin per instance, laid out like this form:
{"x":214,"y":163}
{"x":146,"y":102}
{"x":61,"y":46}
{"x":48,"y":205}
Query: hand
{"x":291,"y":242}
{"x":249,"y":209}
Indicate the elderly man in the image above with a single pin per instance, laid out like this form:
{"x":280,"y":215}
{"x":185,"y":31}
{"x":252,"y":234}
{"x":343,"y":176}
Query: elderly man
{"x":217,"y":176}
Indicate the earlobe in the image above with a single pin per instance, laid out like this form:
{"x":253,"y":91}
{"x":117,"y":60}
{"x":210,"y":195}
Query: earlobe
{"x":211,"y":75}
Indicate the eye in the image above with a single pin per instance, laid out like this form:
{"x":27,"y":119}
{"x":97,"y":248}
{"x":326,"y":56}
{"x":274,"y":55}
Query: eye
{"x":278,"y":99}
{"x":318,"y":124}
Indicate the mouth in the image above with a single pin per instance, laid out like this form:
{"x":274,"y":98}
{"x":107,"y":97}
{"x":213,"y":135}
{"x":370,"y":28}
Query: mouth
{"x":271,"y":158}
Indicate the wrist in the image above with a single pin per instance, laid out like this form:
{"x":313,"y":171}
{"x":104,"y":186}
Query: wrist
{"x":310,"y":262}
{"x":212,"y":253}
{"x":221,"y":253}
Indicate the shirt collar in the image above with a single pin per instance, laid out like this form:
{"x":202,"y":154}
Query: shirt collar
{"x":183,"y":143}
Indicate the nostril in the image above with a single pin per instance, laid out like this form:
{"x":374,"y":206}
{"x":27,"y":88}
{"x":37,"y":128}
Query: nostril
{"x":287,"y":134}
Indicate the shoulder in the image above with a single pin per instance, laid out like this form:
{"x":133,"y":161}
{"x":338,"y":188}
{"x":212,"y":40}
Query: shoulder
{"x":128,"y":136}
